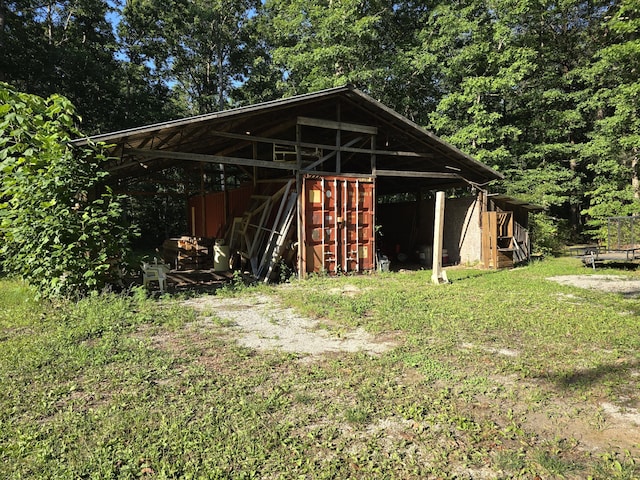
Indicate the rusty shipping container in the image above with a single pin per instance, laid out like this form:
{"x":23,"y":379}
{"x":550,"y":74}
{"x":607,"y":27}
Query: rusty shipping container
{"x":338,"y":233}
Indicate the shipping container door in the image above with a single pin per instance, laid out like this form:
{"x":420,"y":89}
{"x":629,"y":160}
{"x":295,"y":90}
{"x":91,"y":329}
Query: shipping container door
{"x":338,"y":233}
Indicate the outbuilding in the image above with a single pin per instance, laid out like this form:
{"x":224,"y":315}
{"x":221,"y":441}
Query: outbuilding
{"x":332,"y":181}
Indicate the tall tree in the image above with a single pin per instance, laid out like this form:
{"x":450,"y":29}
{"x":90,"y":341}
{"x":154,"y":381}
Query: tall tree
{"x":195,"y":46}
{"x":482,"y":69}
{"x":63,"y":46}
{"x":614,"y":104}
{"x":511,"y":95}
{"x":324,"y":44}
{"x":406,"y":77}
{"x":261,"y":78}
{"x":371,"y":45}
{"x":564,"y":35}
{"x":321,"y":44}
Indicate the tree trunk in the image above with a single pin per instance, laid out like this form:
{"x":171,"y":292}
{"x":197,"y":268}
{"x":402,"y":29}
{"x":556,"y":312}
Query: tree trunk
{"x":576,"y":217}
{"x":2,"y":28}
{"x":220,"y":78}
{"x":635,"y":181}
{"x":50,"y":24}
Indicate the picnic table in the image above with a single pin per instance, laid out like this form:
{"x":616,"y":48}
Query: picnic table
{"x":621,"y":244}
{"x":581,"y":250}
{"x":592,"y":254}
{"x":588,"y":253}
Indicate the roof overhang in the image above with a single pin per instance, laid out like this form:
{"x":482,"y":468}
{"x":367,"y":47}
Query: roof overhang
{"x":335,"y":131}
{"x":512,"y":201}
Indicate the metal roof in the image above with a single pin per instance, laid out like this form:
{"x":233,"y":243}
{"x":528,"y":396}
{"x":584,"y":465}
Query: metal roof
{"x":516,"y":202}
{"x":408,"y":153}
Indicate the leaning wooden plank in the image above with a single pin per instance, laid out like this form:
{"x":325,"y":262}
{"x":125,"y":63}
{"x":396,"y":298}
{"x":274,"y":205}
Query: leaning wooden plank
{"x":260,"y":203}
{"x":276,"y":223}
{"x":275,"y":249}
{"x":235,"y":227}
{"x":258,"y":233}
{"x":283,"y":234}
{"x":274,"y":236}
{"x":288,"y":231}
{"x":260,"y":227}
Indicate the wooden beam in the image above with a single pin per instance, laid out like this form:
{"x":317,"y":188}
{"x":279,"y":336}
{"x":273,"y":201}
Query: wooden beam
{"x":349,"y":127}
{"x":373,"y":155}
{"x":364,"y":176}
{"x":254,"y":156}
{"x":143,"y":193}
{"x":390,"y":153}
{"x":292,"y":143}
{"x":414,"y":174}
{"x":198,"y":157}
{"x":248,"y":139}
{"x":438,"y":276}
{"x":339,"y":141}
{"x":300,"y":223}
{"x":330,"y":155}
{"x":166,"y":139}
{"x":203,"y":203}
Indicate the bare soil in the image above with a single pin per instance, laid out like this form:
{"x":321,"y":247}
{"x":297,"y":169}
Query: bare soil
{"x":259,"y":322}
{"x":603,"y":283}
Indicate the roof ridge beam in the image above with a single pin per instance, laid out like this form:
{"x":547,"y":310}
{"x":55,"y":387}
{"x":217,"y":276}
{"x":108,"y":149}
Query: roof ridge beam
{"x":329,"y":124}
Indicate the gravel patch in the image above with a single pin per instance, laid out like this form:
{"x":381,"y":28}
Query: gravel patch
{"x":602,"y":283}
{"x":261,"y":323}
{"x":626,"y":415}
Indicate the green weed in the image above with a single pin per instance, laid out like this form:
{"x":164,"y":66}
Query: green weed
{"x":132,"y":387}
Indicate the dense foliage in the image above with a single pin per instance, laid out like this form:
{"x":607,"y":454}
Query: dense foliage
{"x":58,"y":228}
{"x":546,"y":91}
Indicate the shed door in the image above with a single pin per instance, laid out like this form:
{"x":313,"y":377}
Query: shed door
{"x":338,"y":230}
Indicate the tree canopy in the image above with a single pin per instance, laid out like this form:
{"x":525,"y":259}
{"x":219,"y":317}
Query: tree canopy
{"x":546,"y":92}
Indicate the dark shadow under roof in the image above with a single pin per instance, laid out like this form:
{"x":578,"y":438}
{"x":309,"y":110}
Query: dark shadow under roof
{"x":405,"y":156}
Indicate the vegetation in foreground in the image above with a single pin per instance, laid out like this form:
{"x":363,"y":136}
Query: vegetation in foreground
{"x":60,"y":228}
{"x":498,"y":375}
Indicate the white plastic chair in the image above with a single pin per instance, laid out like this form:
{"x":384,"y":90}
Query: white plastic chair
{"x":155,"y":272}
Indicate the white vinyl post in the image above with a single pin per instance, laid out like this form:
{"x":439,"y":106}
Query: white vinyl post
{"x":438,"y":276}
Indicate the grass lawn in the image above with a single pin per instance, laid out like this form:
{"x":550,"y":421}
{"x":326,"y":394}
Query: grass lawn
{"x":496,"y":375}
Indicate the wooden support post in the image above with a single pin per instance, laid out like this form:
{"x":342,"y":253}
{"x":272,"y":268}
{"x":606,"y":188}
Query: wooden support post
{"x":255,"y":157}
{"x":188,"y":209}
{"x":374,"y":166}
{"x":338,"y":152}
{"x":203,"y":202}
{"x":300,"y":201}
{"x":338,"y":142}
{"x":438,"y":276}
{"x":373,"y":155}
{"x":225,"y":194}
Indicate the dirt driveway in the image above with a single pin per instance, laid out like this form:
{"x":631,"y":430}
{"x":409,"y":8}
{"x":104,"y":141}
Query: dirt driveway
{"x":259,"y":322}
